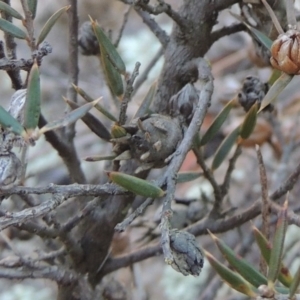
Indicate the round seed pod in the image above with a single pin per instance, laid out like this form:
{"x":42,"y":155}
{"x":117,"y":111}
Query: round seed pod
{"x":286,"y":53}
{"x":156,"y":139}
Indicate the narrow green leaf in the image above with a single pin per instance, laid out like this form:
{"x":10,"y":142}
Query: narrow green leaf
{"x":295,"y":284}
{"x":260,"y":36}
{"x":107,"y":49}
{"x":99,"y":158}
{"x":32,"y":5}
{"x":188,"y":176}
{"x":276,"y":89}
{"x":233,"y":279}
{"x":99,"y":107}
{"x":224,"y":148}
{"x":143,"y":108}
{"x":32,"y":108}
{"x":12,"y":29}
{"x":265,"y":248}
{"x":50,"y":23}
{"x":249,"y":122}
{"x":136,"y":185}
{"x":217,"y":123}
{"x":239,"y":264}
{"x":7,"y":121}
{"x":274,"y":76}
{"x":10,"y":11}
{"x":113,"y":77}
{"x":69,"y":118}
{"x":93,"y":123}
{"x":276,"y":253}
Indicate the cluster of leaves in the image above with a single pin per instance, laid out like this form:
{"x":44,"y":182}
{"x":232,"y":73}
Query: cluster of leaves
{"x":248,"y":280}
{"x":113,"y":67}
{"x":32,"y":104}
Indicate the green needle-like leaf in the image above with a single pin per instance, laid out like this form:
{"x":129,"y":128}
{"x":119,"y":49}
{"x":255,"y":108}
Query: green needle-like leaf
{"x":69,"y":118}
{"x":50,"y":23}
{"x":224,"y":148}
{"x":249,"y":122}
{"x":92,"y":122}
{"x":265,"y":248}
{"x":295,"y":284}
{"x":32,"y":5}
{"x":32,"y":107}
{"x":217,"y":123}
{"x":99,"y":107}
{"x":276,"y":89}
{"x":7,"y":121}
{"x":107,"y":49}
{"x":233,"y":279}
{"x":188,"y":176}
{"x":239,"y":264}
{"x":136,"y":185}
{"x":274,"y":76}
{"x":260,"y":36}
{"x":10,"y":11}
{"x":113,"y":77}
{"x":276,"y":253}
{"x":12,"y":29}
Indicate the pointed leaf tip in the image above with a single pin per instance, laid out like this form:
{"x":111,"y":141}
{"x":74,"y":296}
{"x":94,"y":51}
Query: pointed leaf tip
{"x":50,"y":23}
{"x":107,"y":49}
{"x":10,"y":11}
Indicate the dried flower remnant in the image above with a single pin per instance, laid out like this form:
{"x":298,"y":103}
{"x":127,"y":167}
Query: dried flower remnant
{"x":183,"y":104}
{"x":253,"y":90}
{"x":87,"y":41}
{"x":285,"y":52}
{"x":188,"y":258}
{"x":151,"y":140}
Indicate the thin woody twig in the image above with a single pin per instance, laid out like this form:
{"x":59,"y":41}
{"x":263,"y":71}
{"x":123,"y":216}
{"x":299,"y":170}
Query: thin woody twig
{"x":264,"y":193}
{"x":66,"y":152}
{"x":154,"y":27}
{"x":227,"y":30}
{"x":72,"y":222}
{"x":13,"y":218}
{"x":265,"y":206}
{"x":206,"y":82}
{"x":139,"y":211}
{"x":232,"y":161}
{"x":143,"y":77}
{"x":125,"y":19}
{"x":68,"y":191}
{"x":162,"y":7}
{"x":208,"y":174}
{"x":128,"y":93}
{"x":55,"y":273}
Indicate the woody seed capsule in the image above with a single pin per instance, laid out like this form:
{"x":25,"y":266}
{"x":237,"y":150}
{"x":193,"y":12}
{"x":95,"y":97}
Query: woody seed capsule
{"x":286,"y":53}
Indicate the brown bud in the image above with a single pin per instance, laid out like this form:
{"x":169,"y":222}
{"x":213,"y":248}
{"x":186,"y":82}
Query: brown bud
{"x":285,"y":52}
